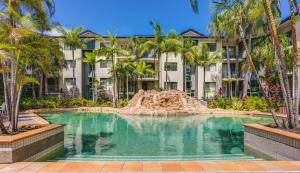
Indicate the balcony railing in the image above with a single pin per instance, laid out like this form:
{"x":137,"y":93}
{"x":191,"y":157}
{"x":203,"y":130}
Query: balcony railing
{"x":149,"y":76}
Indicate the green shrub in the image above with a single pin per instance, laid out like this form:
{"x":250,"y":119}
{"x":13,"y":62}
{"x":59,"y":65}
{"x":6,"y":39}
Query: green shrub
{"x":249,"y":104}
{"x":237,"y":104}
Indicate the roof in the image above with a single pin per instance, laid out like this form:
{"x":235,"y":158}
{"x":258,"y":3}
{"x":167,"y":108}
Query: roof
{"x":193,"y":33}
{"x":287,"y":18}
{"x":188,"y":33}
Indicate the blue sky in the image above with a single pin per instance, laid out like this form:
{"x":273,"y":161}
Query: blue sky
{"x":132,"y":17}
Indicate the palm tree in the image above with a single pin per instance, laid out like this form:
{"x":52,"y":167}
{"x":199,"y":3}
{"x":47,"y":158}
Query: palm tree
{"x":203,"y":57}
{"x":172,"y":45}
{"x":109,"y":53}
{"x":141,"y":68}
{"x":91,"y":59}
{"x":157,"y":45}
{"x":72,"y":40}
{"x":296,"y":69}
{"x":187,"y":56}
{"x":18,"y":43}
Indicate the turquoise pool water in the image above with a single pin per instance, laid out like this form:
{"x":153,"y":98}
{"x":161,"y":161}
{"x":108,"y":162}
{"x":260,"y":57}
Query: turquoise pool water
{"x":97,"y":137}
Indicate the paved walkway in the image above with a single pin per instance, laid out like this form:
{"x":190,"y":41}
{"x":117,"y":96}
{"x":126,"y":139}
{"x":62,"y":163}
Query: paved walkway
{"x":85,"y":167}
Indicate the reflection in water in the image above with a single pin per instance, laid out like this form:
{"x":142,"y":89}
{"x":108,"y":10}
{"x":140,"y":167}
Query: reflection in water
{"x":91,"y":135}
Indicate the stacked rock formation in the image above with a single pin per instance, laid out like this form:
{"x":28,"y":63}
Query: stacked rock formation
{"x":162,"y":104}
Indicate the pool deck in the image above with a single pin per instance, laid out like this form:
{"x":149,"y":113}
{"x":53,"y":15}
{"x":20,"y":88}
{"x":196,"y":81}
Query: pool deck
{"x":88,"y":167}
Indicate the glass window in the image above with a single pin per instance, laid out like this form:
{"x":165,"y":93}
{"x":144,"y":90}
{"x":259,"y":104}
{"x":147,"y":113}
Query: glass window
{"x":71,"y":64}
{"x":210,"y":87}
{"x":104,"y":44}
{"x":231,"y":51}
{"x":90,"y":45}
{"x":69,"y":81}
{"x":171,"y":66}
{"x":212,"y":47}
{"x":66,"y":47}
{"x":105,"y":64}
{"x":195,"y":42}
{"x":171,"y":85}
{"x":211,"y":68}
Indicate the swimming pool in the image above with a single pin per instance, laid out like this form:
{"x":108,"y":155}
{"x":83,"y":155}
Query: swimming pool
{"x":106,"y":137}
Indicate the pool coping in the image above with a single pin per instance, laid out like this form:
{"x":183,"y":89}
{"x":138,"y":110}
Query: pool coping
{"x":83,"y":167}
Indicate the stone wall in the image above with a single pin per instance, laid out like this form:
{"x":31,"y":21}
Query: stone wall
{"x":31,"y":145}
{"x":276,"y":143}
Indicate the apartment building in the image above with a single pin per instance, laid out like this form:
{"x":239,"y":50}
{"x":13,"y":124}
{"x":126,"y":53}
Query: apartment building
{"x":216,"y":75}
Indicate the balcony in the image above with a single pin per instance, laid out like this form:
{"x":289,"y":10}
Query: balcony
{"x":149,"y":77}
{"x":233,"y":75}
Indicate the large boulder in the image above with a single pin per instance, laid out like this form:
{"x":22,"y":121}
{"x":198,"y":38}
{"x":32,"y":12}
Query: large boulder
{"x":163,"y":103}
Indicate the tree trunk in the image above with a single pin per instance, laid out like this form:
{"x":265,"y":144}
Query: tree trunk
{"x":114,"y":82}
{"x":166,"y":71}
{"x":127,"y":95}
{"x":33,"y":91}
{"x":295,"y":62}
{"x":254,"y":71}
{"x":41,"y":85}
{"x":74,"y":81}
{"x":237,"y":68}
{"x":248,"y":72}
{"x":276,"y":43}
{"x":2,"y":127}
{"x":184,"y":74}
{"x":228,"y":70}
{"x":204,"y":92}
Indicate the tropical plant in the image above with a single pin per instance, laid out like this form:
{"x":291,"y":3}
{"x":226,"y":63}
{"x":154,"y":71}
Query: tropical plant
{"x":156,"y":45}
{"x":20,"y":45}
{"x":91,"y":59}
{"x":203,"y":57}
{"x":187,"y":56}
{"x":172,"y":44}
{"x":71,"y":39}
{"x":141,"y":68}
{"x":110,"y":52}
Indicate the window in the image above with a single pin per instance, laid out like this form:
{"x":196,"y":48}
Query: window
{"x":231,"y":51}
{"x":211,"y":68}
{"x":104,"y":44}
{"x":104,"y":82}
{"x":66,"y":47}
{"x":71,"y":64}
{"x":195,"y":42}
{"x":171,"y":66}
{"x":171,"y":85}
{"x":212,"y":47}
{"x":90,"y":45}
{"x":210,"y":87}
{"x":105,"y":64}
{"x":70,"y":81}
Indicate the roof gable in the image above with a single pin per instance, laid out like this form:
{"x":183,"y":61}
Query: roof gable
{"x":192,"y":33}
{"x":88,"y":34}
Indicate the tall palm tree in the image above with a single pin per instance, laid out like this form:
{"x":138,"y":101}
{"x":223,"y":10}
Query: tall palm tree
{"x":172,"y":45}
{"x":19,"y":42}
{"x":109,"y":53}
{"x":238,"y":15}
{"x":203,"y":57}
{"x":91,"y":59}
{"x":187,"y":56}
{"x":280,"y":61}
{"x":72,"y":40}
{"x":296,"y":69}
{"x":156,"y":45}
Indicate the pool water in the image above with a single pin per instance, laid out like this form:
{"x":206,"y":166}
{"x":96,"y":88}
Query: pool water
{"x":99,"y":137}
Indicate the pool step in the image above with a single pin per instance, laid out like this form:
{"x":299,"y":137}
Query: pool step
{"x":156,"y":158}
